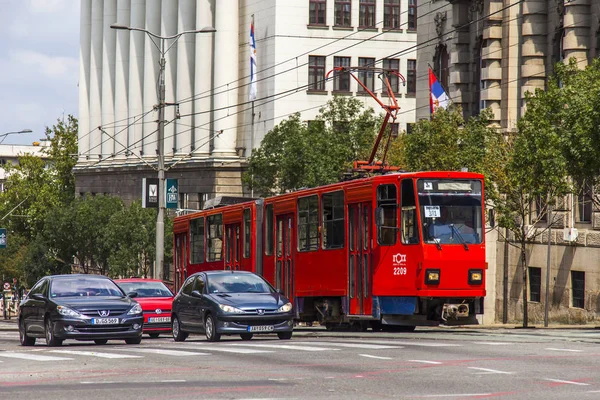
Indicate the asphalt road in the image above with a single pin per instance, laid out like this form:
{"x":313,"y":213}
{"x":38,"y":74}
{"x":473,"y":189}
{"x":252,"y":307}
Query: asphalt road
{"x":315,"y":364}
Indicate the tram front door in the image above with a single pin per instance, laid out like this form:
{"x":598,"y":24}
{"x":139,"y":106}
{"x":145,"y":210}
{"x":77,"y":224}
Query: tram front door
{"x":284,"y":266}
{"x":359,"y":260}
{"x":233,"y":246}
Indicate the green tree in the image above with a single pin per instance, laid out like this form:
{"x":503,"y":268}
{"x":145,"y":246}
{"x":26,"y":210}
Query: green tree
{"x":295,"y":154}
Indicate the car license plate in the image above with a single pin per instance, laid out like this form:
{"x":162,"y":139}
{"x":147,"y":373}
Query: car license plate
{"x":260,"y":328}
{"x":158,"y":319}
{"x":105,"y":321}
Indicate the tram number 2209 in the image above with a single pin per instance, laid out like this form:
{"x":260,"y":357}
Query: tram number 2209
{"x":399,"y":270}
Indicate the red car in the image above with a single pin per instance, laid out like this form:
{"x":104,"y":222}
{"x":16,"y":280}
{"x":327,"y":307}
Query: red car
{"x":156,"y":300}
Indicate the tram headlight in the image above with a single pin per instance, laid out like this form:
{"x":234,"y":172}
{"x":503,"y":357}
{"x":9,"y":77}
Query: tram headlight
{"x":475,"y":276}
{"x":432,"y":276}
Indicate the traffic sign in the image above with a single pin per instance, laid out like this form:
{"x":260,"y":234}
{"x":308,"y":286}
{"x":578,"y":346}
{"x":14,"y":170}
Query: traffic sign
{"x":6,"y":286}
{"x":172,"y":193}
{"x":3,"y":238}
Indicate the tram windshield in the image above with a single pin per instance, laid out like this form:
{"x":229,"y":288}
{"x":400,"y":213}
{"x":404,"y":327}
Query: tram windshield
{"x":451,"y":211}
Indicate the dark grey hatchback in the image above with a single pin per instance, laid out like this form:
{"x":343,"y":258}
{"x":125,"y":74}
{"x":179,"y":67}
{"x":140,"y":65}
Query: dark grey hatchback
{"x":230,"y":303}
{"x":78,"y":306}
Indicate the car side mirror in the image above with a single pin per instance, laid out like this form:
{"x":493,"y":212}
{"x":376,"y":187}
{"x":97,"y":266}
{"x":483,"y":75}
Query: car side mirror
{"x":38,"y":296}
{"x":280,"y":292}
{"x":196,"y":293}
{"x":132,"y":294}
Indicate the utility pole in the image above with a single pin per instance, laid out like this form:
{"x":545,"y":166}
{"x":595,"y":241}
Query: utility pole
{"x":547,"y":300}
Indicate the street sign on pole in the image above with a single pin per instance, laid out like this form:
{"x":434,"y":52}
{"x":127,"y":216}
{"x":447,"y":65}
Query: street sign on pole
{"x":172,"y":193}
{"x":3,"y":238}
{"x":150,"y":192}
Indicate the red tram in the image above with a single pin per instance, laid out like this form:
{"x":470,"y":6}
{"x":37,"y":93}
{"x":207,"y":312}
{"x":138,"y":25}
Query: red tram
{"x":397,"y":250}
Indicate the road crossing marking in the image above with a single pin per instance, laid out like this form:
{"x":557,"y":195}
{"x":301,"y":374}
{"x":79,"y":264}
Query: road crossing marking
{"x":285,"y":346}
{"x":178,"y":353}
{"x":490,"y":371}
{"x":94,"y":354}
{"x":426,"y":362}
{"x":377,"y":357}
{"x":494,"y":343}
{"x":567,"y":382}
{"x":32,"y":357}
{"x":352,"y":345}
{"x":572,"y":350}
{"x":415,"y":343}
{"x":226,"y":349}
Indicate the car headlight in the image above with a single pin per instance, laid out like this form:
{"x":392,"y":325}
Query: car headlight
{"x":67,"y":312}
{"x":136,"y":309}
{"x":230,"y":309}
{"x":285,"y":308}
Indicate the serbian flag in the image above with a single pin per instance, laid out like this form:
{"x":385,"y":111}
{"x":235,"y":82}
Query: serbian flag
{"x":252,"y":95}
{"x":438,"y":97}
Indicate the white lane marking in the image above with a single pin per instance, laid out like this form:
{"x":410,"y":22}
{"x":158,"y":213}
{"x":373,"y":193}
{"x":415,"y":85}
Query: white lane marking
{"x":378,"y":357}
{"x":415,"y":343}
{"x":94,"y":354}
{"x":228,"y":349}
{"x":351,"y":345}
{"x":458,"y":395}
{"x":32,"y":357}
{"x":568,"y":382}
{"x":426,"y":362}
{"x":572,"y":350}
{"x":285,"y":346}
{"x":490,"y":371}
{"x":172,"y":380}
{"x":494,"y":343}
{"x":96,"y":383}
{"x":179,"y":353}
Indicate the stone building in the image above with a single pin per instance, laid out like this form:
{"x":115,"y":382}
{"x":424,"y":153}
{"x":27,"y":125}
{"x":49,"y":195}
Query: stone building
{"x":489,"y":53}
{"x":209,"y":130}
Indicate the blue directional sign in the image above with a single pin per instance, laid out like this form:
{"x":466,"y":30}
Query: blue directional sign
{"x":172,"y":192}
{"x":2,"y":238}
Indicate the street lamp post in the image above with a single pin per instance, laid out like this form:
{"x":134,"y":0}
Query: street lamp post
{"x":4,"y":135}
{"x":160,"y":218}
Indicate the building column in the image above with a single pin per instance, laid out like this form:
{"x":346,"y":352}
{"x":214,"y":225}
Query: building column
{"x":95,"y":149}
{"x":225,"y":77}
{"x":201,"y":135}
{"x":121,"y":79}
{"x":533,"y":52}
{"x":186,"y":21}
{"x":576,"y":42}
{"x":169,"y":28}
{"x":136,"y":78}
{"x":151,"y":73}
{"x":85,"y":38}
{"x":109,"y":43}
{"x":491,"y":59}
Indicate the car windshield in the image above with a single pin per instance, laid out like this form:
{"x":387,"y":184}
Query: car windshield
{"x":237,"y":283}
{"x":83,"y":287}
{"x":146,"y":289}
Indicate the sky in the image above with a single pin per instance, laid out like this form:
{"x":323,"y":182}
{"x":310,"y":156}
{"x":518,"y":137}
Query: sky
{"x":39,"y":66}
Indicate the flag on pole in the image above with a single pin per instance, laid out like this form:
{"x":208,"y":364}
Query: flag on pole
{"x":252,"y":95}
{"x":438,"y":97}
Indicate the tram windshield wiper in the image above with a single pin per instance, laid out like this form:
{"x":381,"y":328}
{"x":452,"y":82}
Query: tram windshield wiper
{"x":436,"y":240}
{"x":462,"y":240}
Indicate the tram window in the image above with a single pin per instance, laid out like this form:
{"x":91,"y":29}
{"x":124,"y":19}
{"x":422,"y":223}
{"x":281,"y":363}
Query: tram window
{"x":333,"y":220}
{"x":308,"y":223}
{"x":269,"y":230}
{"x":408,"y":215}
{"x":247,"y":233}
{"x":387,"y":199}
{"x":214,"y":230}
{"x":197,"y":239}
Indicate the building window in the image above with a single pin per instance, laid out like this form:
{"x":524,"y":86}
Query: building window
{"x":540,"y":214}
{"x":202,"y":197}
{"x":184,"y":200}
{"x":409,"y":128}
{"x":393,"y":64}
{"x":317,"y":12}
{"x":411,"y":77}
{"x":387,"y":202}
{"x":333,"y":220}
{"x":440,"y":66}
{"x":366,"y":15}
{"x":197,"y":240}
{"x":316,"y":73}
{"x":214,"y":237}
{"x":584,"y":203}
{"x":343,"y":13}
{"x":308,"y":223}
{"x":391,"y":14}
{"x":394,"y":128}
{"x":412,"y":15}
{"x":578,"y":288}
{"x":366,"y":75}
{"x":341,"y":78}
{"x":535,"y":284}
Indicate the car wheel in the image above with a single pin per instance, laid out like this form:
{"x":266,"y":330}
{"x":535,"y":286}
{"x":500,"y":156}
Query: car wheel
{"x":51,"y":340}
{"x":136,"y":340}
{"x":101,"y":341}
{"x":153,"y":335}
{"x":246,"y":336}
{"x":285,"y":335}
{"x":178,"y":334}
{"x":210,"y":328}
{"x":23,"y":338}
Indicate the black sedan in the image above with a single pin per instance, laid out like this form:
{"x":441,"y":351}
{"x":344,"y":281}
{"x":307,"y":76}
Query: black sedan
{"x":230,"y":303}
{"x":82,"y":307}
